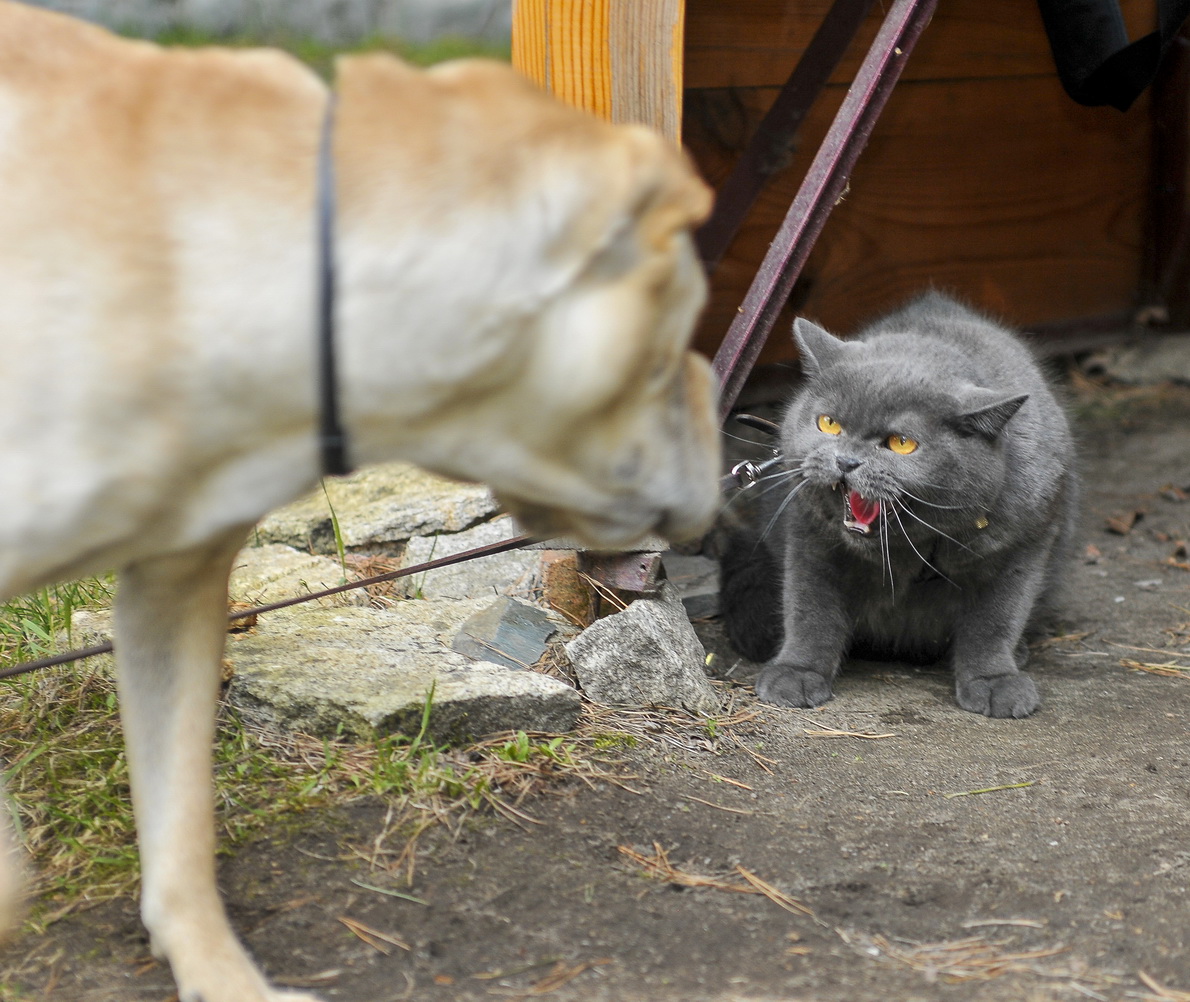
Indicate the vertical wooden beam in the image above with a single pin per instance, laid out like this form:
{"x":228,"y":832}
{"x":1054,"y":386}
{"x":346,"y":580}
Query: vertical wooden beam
{"x":618,"y":59}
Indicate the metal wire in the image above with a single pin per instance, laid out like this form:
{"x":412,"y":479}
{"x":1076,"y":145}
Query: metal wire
{"x":512,"y":543}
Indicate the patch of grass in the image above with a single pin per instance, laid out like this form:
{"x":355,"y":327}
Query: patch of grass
{"x":340,"y":547}
{"x":67,"y":774}
{"x":320,"y":56}
{"x":31,"y":625}
{"x":60,"y":738}
{"x":609,"y":740}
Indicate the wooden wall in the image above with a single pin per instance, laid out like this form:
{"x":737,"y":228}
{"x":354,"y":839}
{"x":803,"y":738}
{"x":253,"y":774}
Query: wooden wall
{"x":619,"y":59}
{"x":982,"y":176}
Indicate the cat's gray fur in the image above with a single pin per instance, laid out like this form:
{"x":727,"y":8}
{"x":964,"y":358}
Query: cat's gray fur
{"x":973,"y":529}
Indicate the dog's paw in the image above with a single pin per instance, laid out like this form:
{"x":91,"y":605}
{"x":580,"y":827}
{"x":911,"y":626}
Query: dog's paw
{"x":196,"y":995}
{"x":784,"y":685}
{"x":227,"y":975}
{"x":1001,"y":696}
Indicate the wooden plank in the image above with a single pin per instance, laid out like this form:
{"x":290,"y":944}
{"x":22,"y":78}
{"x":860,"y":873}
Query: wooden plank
{"x":618,"y":59}
{"x":1004,"y":191}
{"x":757,"y":43}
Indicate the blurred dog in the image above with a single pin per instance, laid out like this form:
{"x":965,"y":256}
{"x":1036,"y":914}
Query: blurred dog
{"x":517,"y":288}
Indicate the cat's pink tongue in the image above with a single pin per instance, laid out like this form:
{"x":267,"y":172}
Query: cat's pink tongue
{"x":863,"y":511}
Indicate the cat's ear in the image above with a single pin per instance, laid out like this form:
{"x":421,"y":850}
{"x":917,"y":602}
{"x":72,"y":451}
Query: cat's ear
{"x":818,"y":347}
{"x":989,"y":411}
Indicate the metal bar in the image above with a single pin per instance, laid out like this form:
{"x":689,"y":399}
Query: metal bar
{"x":820,"y":190}
{"x":637,"y":572}
{"x":767,"y":148}
{"x":1167,"y":243}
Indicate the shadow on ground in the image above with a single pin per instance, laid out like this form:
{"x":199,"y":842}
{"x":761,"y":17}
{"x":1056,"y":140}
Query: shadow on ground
{"x":939,"y":855}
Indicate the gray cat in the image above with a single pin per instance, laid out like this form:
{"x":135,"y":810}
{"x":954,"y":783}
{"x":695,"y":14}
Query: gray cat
{"x":927,"y":504}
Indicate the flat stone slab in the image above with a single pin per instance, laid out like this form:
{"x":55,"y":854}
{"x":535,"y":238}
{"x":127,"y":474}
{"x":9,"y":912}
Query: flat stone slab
{"x":360,"y":672}
{"x":384,"y":504}
{"x":510,"y":632}
{"x":483,"y":577}
{"x":274,"y":572}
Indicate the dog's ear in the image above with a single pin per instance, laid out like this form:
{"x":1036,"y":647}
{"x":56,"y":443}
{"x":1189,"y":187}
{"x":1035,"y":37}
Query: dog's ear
{"x":542,"y":225}
{"x":625,"y":241}
{"x":642,"y":195}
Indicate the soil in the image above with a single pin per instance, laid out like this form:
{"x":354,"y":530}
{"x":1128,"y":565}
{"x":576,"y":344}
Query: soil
{"x":1066,"y":879}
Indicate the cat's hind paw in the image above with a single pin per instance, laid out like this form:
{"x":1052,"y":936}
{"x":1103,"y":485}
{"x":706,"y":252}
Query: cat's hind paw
{"x":787,"y":686}
{"x":1001,"y":696}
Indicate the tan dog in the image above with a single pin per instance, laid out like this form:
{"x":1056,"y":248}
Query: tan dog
{"x":517,"y":288}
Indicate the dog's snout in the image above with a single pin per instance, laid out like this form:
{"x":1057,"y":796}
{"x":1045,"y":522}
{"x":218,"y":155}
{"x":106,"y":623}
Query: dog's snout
{"x":848,"y":463}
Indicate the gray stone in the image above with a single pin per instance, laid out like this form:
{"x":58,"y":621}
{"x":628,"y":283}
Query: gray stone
{"x":647,"y":655}
{"x":359,"y":672}
{"x":510,"y":632}
{"x":380,"y":505}
{"x":274,"y":572}
{"x":480,"y":578}
{"x":340,"y":22}
{"x":1153,"y":360}
{"x":696,"y":579}
{"x":89,"y":628}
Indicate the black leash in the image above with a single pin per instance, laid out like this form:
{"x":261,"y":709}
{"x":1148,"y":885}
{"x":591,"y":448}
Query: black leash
{"x":332,"y":439}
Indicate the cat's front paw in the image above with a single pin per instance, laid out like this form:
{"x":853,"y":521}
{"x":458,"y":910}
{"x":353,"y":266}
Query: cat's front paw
{"x":1001,"y":696}
{"x":786,"y":686}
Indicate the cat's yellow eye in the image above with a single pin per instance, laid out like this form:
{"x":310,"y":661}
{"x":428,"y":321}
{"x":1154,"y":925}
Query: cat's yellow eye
{"x":829,"y":425}
{"x":902,"y":445}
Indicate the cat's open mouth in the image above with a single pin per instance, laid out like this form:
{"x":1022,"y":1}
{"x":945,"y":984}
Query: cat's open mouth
{"x":859,"y":513}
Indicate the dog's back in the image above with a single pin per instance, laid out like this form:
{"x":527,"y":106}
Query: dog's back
{"x":143,"y":192}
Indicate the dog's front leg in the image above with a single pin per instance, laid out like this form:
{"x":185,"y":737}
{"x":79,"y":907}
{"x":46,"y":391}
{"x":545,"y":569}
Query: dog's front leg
{"x":171,"y":621}
{"x":10,"y":873}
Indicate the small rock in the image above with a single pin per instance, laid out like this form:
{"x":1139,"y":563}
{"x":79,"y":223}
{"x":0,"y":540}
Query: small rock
{"x":647,"y":655}
{"x":90,"y":627}
{"x":696,"y":579}
{"x":565,"y":589}
{"x":508,"y":632}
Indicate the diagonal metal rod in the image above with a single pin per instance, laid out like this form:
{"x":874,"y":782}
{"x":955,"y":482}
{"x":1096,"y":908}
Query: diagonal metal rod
{"x":512,"y":543}
{"x":820,"y":190}
{"x":767,"y":148}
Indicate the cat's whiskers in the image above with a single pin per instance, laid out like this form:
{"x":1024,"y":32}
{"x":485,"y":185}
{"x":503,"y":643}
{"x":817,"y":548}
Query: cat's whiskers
{"x":885,"y":553}
{"x":931,"y":504}
{"x":784,"y":504}
{"x":893,"y":508}
{"x":740,"y":438}
{"x":933,"y":528}
{"x":744,"y":492}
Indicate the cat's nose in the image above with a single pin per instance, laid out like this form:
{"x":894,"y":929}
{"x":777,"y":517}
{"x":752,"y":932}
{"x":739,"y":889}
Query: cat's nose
{"x":846,"y":463}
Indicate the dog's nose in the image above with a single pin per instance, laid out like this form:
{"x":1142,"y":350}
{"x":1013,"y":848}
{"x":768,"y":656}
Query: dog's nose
{"x":847,"y":463}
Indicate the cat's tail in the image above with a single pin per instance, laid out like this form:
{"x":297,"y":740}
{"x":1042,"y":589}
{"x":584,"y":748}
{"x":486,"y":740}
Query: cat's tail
{"x":750,"y":596}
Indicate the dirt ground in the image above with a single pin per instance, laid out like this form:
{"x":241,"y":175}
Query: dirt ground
{"x":938,"y":855}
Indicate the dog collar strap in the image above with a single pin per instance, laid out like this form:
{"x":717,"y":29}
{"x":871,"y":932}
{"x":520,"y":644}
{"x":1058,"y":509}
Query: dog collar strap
{"x":332,"y":440}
